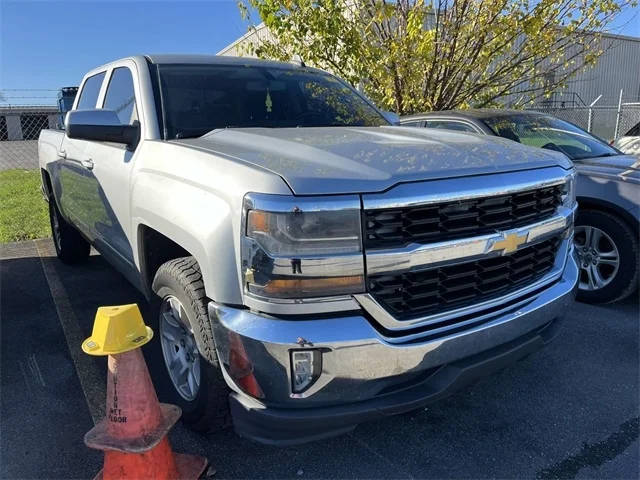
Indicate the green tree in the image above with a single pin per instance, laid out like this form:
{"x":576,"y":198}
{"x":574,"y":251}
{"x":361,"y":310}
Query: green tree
{"x":417,"y":55}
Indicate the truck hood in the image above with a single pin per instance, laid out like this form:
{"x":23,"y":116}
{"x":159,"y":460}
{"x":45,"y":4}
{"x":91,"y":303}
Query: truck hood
{"x":340,"y":160}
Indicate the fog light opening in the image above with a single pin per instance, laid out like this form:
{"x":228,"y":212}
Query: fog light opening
{"x":306,"y":366}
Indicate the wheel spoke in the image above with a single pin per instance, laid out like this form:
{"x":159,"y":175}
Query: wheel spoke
{"x":594,"y":239}
{"x":171,"y":327}
{"x":590,"y":280}
{"x":613,"y":254}
{"x":191,"y":379}
{"x":175,"y":308}
{"x":609,"y":261}
{"x":196,"y":371}
{"x":168,"y":335}
{"x":174,"y":366}
{"x":588,"y":231}
{"x":183,"y":373}
{"x":595,"y":276}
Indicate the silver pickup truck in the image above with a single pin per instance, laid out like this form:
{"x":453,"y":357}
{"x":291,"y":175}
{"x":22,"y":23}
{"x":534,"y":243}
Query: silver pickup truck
{"x":309,"y":266}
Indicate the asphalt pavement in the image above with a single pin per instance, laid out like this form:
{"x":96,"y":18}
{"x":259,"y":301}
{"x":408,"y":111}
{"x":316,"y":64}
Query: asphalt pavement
{"x":568,"y":411}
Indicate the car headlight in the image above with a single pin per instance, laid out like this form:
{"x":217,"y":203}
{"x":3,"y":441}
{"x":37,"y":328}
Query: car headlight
{"x":569,"y":191}
{"x":302,"y":247}
{"x":569,"y":201}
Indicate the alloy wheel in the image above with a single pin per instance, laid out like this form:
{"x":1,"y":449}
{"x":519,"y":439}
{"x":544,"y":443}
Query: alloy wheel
{"x":598,"y":255}
{"x":179,"y":349}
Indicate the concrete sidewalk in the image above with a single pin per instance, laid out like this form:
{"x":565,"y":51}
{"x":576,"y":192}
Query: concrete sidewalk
{"x":569,"y":411}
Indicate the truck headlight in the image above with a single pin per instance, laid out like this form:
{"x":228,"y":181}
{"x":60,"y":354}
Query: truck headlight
{"x":302,"y":247}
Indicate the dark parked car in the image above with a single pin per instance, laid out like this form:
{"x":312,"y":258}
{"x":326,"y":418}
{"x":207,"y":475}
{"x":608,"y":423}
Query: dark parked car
{"x":606,"y":233}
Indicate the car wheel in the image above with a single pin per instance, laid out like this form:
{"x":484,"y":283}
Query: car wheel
{"x":608,"y":253}
{"x":192,"y":376}
{"x":70,"y":246}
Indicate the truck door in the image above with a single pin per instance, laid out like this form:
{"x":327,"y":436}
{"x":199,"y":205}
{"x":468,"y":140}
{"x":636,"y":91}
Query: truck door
{"x":96,"y":174}
{"x":75,"y":178}
{"x":110,"y":169}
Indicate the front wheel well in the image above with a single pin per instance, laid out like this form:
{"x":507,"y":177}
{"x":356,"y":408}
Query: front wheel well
{"x":603,"y":206}
{"x":155,"y":250}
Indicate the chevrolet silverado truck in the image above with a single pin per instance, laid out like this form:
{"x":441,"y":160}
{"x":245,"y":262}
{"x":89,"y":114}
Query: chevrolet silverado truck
{"x":309,"y":266}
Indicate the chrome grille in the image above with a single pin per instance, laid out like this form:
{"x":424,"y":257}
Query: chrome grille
{"x":398,"y":227}
{"x":436,"y":290}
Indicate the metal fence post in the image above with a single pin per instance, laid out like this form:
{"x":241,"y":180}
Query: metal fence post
{"x":615,"y":132}
{"x":590,"y":118}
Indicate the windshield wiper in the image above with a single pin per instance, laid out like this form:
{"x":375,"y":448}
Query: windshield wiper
{"x":586,"y":157}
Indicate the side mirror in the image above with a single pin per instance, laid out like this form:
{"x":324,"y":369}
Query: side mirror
{"x":102,"y":126}
{"x":391,"y":117}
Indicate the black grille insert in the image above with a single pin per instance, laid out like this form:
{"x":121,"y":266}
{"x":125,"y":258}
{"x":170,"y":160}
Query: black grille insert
{"x":395,"y":228}
{"x":412,"y":294}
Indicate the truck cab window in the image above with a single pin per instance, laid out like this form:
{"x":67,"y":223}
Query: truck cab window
{"x":90,"y":90}
{"x":121,"y":97}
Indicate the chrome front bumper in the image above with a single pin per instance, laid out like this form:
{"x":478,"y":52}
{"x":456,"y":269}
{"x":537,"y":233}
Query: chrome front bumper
{"x":360,"y":366}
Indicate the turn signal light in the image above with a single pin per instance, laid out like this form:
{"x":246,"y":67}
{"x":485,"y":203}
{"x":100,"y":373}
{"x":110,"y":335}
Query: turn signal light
{"x":301,"y":287}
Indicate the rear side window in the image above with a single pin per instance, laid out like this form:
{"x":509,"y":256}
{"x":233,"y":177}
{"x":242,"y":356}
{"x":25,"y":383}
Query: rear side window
{"x":121,"y":97}
{"x":90,"y":91}
{"x":446,"y":125}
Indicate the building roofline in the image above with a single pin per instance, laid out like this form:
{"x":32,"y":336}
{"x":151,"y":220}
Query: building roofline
{"x":620,"y":37}
{"x":262,"y":26}
{"x":251,"y":32}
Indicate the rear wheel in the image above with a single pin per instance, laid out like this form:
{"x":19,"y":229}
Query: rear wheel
{"x":191,"y":375}
{"x":70,"y":246}
{"x":608,"y":253}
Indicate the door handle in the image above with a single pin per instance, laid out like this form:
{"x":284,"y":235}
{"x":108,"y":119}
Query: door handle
{"x":62,"y":154}
{"x":88,"y":164}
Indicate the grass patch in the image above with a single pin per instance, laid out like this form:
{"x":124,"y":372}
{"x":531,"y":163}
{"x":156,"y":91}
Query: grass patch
{"x":23,"y":212}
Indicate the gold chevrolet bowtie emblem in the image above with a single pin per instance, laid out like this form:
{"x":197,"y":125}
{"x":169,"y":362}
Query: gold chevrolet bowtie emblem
{"x":510,"y":243}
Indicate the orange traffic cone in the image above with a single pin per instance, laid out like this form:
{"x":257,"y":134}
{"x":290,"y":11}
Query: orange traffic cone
{"x":133,"y":435}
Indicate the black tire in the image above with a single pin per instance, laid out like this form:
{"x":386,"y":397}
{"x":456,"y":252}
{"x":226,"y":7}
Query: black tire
{"x":209,"y":410}
{"x":625,"y":280}
{"x":71,"y":247}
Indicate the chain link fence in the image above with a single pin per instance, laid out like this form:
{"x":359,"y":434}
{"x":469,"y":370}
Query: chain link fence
{"x":20,"y":127}
{"x":629,"y":119}
{"x":607,"y":122}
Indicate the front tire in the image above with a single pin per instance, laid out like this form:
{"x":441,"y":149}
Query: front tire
{"x":608,"y":252}
{"x":191,"y":375}
{"x":70,"y":246}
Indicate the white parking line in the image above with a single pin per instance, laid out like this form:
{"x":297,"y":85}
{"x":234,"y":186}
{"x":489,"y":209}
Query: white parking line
{"x":88,"y":373}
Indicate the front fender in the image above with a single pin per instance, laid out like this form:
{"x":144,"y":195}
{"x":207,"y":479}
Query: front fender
{"x":195,"y":199}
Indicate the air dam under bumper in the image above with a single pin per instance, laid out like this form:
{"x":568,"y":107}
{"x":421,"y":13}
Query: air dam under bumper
{"x":364,"y":375}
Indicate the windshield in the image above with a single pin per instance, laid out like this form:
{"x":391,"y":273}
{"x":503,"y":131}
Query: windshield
{"x":199,"y":98}
{"x":550,"y":133}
